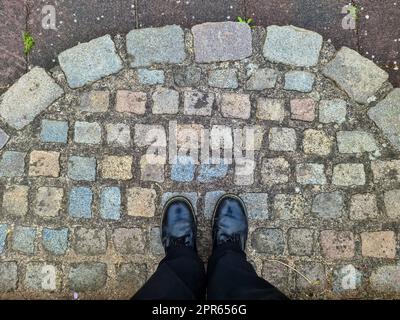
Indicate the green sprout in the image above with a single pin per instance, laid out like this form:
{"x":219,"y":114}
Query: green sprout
{"x":244,"y":20}
{"x":29,"y":42}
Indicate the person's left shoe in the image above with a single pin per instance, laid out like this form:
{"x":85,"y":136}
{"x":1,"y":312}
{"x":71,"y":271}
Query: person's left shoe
{"x":178,"y":224}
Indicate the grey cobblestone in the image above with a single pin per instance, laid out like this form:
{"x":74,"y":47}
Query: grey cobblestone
{"x":90,"y":61}
{"x":90,"y":242}
{"x":363,"y":206}
{"x":282,"y":139}
{"x":165,"y":101}
{"x":274,"y":171}
{"x":55,"y":241}
{"x":82,"y":168}
{"x":80,"y":203}
{"x":24,"y":239}
{"x":391,"y":199}
{"x":356,"y":142}
{"x":332,"y":111}
{"x":301,"y":241}
{"x":48,"y":201}
{"x":262,"y":79}
{"x":8,"y":276}
{"x":348,"y":174}
{"x":118,"y":134}
{"x":386,"y":279}
{"x":41,"y":277}
{"x":269,"y":241}
{"x":385,"y":115}
{"x":86,"y":132}
{"x":310,"y":173}
{"x":187,"y":76}
{"x":301,"y":81}
{"x":356,"y":75}
{"x":33,"y":93}
{"x":198,"y":103}
{"x":343,"y":282}
{"x":12,"y":164}
{"x":156,"y":45}
{"x":152,"y":168}
{"x":54,"y":131}
{"x":287,"y":206}
{"x":129,"y":241}
{"x":292,"y":45}
{"x":151,"y":77}
{"x":88,"y":276}
{"x":328,"y":205}
{"x":386,"y":172}
{"x":223,"y":78}
{"x":257,"y":205}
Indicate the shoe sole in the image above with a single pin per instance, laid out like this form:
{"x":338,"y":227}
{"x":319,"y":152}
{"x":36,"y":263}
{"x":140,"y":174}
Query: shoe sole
{"x":173,"y":199}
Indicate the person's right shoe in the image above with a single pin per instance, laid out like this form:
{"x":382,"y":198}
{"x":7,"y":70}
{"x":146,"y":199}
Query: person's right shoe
{"x":230,"y":223}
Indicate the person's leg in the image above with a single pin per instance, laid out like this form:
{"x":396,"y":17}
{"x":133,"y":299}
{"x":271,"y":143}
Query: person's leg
{"x":229,"y":274}
{"x":180,"y":275}
{"x":231,"y":277}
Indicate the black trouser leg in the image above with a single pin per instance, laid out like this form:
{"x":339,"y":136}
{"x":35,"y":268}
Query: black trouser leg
{"x":231,"y":277}
{"x":179,"y":276}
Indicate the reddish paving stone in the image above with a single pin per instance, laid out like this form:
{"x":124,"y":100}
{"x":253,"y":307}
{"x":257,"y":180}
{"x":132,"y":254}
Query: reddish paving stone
{"x":303,"y":109}
{"x":379,"y":36}
{"x":337,"y":244}
{"x":132,"y":102}
{"x":12,"y":24}
{"x":76,"y":21}
{"x":324,"y":17}
{"x":155,"y":13}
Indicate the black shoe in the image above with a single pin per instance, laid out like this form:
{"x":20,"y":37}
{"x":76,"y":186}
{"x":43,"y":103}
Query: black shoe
{"x":178,"y":224}
{"x":230,"y":222}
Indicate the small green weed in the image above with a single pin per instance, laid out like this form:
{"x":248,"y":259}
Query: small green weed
{"x":244,"y":20}
{"x":29,"y":42}
{"x":353,"y":11}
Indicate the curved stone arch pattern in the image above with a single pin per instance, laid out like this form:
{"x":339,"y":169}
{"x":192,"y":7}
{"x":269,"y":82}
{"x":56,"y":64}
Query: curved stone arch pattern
{"x":75,"y":195}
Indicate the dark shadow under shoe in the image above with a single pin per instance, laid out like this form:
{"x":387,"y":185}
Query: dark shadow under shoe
{"x":230,"y":223}
{"x":178,"y":224}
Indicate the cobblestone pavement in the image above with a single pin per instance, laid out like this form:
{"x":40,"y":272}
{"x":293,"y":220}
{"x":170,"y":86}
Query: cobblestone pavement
{"x":81,"y":193}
